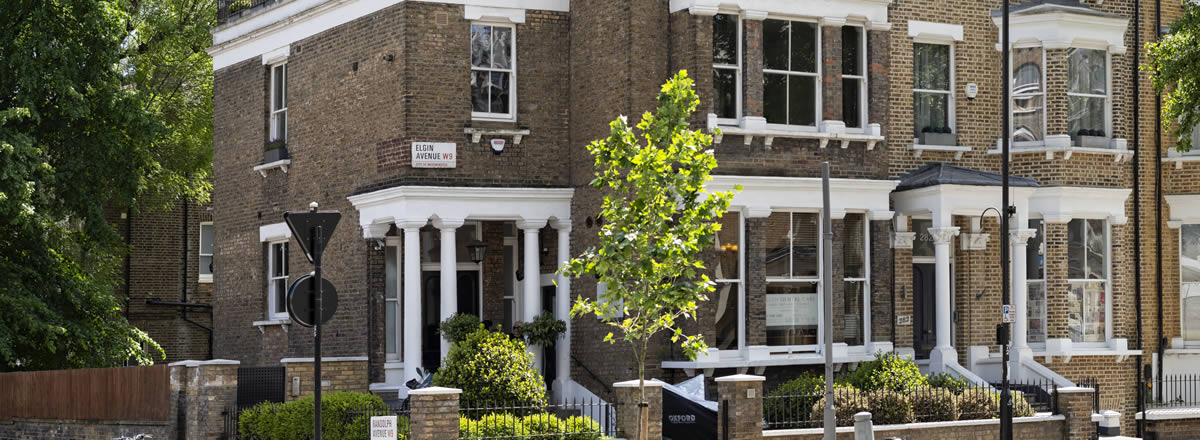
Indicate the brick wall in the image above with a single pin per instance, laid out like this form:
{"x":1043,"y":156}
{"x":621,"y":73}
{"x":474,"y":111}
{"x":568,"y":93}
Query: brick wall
{"x":336,"y":375}
{"x":1038,"y":428}
{"x":1178,"y":429}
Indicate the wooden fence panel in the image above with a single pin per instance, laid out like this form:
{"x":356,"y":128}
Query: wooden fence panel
{"x":125,"y":393}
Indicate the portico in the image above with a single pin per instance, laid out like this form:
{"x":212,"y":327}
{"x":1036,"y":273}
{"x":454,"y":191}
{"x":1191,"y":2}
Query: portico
{"x":448,"y":209}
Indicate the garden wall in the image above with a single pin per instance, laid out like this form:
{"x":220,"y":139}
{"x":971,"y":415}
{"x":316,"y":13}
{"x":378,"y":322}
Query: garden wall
{"x":1172,"y":424}
{"x":1042,"y":427}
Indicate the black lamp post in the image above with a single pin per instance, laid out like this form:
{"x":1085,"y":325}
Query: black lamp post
{"x":1004,"y":334}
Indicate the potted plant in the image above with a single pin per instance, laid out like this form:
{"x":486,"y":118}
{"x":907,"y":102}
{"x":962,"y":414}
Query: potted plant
{"x":275,"y":150}
{"x":937,"y":136}
{"x":543,"y":330}
{"x":1091,"y":139}
{"x":237,"y":6}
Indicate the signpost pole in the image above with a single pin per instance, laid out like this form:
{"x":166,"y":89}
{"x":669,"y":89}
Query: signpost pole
{"x":317,"y":247}
{"x":1006,"y":211}
{"x":827,"y":296}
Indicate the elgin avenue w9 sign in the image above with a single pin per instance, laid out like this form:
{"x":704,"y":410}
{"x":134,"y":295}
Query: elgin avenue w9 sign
{"x":434,"y":155}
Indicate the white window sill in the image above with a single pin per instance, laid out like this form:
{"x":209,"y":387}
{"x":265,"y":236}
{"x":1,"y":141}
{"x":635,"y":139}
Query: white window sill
{"x":1062,"y":143}
{"x":205,"y":279}
{"x":761,"y":357}
{"x":1065,"y":349}
{"x":283,"y":323}
{"x":281,"y":164}
{"x":1179,"y":160}
{"x":477,"y":134}
{"x":751,"y":126}
{"x":956,"y":149}
{"x":1182,"y":351}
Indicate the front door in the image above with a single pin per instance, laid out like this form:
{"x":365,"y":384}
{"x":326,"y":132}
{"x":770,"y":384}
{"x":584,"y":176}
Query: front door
{"x":431,"y":306}
{"x":924,"y":309}
{"x":548,"y":353}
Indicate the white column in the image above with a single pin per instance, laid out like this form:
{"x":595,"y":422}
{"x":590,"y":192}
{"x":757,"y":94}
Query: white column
{"x":1020,"y":293}
{"x":532,"y":300}
{"x":562,"y":308}
{"x":412,"y":296}
{"x":943,"y":352}
{"x":449,"y":271}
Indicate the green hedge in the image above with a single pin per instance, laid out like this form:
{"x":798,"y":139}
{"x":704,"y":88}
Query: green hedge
{"x":542,"y":426}
{"x":889,"y":371}
{"x":492,"y":368}
{"x":294,"y":420}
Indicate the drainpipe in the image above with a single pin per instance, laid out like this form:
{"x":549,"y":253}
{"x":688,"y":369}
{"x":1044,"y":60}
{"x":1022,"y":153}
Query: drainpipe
{"x":1158,"y":271}
{"x":1137,"y":206}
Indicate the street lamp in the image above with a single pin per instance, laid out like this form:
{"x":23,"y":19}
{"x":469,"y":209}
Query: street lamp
{"x":476,"y":249}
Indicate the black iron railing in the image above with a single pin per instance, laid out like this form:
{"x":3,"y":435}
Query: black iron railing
{"x":227,"y":9}
{"x":583,"y":419}
{"x":1174,"y":391}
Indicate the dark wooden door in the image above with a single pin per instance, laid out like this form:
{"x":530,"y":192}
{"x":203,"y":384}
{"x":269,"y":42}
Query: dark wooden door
{"x":924,"y":309}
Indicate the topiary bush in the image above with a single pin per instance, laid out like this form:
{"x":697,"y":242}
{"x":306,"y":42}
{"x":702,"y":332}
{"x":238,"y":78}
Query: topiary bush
{"x":934,"y":406}
{"x":458,"y":326}
{"x":846,"y":403}
{"x":492,"y":369}
{"x":889,"y":372}
{"x":294,"y":420}
{"x":888,"y":408}
{"x":793,"y":400}
{"x":948,"y":381}
{"x":978,"y":403}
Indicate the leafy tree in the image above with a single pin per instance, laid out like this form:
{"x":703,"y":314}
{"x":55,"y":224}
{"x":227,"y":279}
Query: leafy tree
{"x":1175,"y":62}
{"x":657,"y":219}
{"x":95,"y":112}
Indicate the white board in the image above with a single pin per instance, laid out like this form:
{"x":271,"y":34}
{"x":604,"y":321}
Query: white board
{"x":383,"y":428}
{"x":791,"y":310}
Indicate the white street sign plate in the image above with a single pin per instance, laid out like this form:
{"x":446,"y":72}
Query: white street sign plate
{"x":383,"y":428}
{"x":434,"y":155}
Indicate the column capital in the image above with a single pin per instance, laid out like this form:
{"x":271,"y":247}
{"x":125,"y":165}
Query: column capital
{"x":943,"y":235}
{"x":526,"y":224}
{"x":878,"y":216}
{"x":756,"y":15}
{"x":833,"y":21}
{"x":757,"y":211}
{"x":412,"y":223}
{"x":903,"y":240}
{"x":376,"y":230}
{"x":1021,"y":236}
{"x":448,"y":223}
{"x":561,"y":224}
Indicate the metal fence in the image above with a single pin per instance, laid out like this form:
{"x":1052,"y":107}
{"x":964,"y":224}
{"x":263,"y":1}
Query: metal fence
{"x":924,"y":404}
{"x":1176,"y":391}
{"x":227,"y":9}
{"x":582,"y":419}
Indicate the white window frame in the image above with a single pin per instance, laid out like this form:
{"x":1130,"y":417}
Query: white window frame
{"x":1107,"y":280}
{"x":203,"y":277}
{"x":816,"y":281}
{"x":272,"y":305}
{"x":737,"y":68}
{"x":817,"y":98}
{"x":511,"y":116}
{"x":865,"y":279}
{"x":1188,"y":343}
{"x":1013,"y":97}
{"x":1038,"y":240}
{"x":278,"y":113}
{"x":950,"y":110}
{"x":740,"y":281}
{"x":863,"y":102}
{"x":396,"y":301}
{"x":1107,"y":89}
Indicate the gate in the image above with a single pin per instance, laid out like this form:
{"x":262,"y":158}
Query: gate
{"x":255,"y":385}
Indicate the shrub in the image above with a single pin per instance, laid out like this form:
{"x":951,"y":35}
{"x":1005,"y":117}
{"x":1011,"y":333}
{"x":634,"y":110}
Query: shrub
{"x":794,"y":399}
{"x":582,"y":428}
{"x":492,"y":426}
{"x":888,"y":371}
{"x":543,"y":425}
{"x":978,"y":403}
{"x":458,"y":326}
{"x":888,"y":408}
{"x":543,"y":330}
{"x":950,"y":382}
{"x":934,"y":406}
{"x":846,"y":403}
{"x":491,"y":368}
{"x":294,"y":420}
{"x":1021,"y":407}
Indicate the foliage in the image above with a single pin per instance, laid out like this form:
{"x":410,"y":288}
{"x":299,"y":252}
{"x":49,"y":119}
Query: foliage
{"x":459,"y":325}
{"x":889,"y":371}
{"x":800,"y":392}
{"x":846,"y":403}
{"x":934,"y":405}
{"x":543,"y":330}
{"x":890,"y":408}
{"x":1021,"y":407}
{"x":491,"y":368}
{"x":105,"y":104}
{"x":657,"y":219}
{"x":503,"y":426}
{"x":948,"y":381}
{"x":294,"y":420}
{"x":1175,"y":62}
{"x":978,"y":403}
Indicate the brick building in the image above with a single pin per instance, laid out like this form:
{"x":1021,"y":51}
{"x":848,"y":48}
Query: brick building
{"x":436,"y":127}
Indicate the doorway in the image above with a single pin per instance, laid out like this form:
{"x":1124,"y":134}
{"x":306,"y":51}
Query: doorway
{"x":431,"y":302}
{"x":925,"y":308}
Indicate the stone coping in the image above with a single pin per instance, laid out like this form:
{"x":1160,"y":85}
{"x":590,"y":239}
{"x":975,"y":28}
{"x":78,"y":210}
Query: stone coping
{"x":1169,"y":414}
{"x":634,"y":383}
{"x":203,"y":363}
{"x":1044,"y":417}
{"x":1076,"y":390}
{"x":325,"y":359}
{"x":741,"y":378}
{"x":434,"y":391}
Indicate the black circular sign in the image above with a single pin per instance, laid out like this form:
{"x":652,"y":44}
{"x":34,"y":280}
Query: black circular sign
{"x":301,"y":305}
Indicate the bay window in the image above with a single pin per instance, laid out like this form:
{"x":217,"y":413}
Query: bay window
{"x":791,"y":75}
{"x":493,"y":71}
{"x":856,"y":278}
{"x":933,"y":98}
{"x":1028,"y":95}
{"x":1087,"y":92}
{"x":1035,"y":276}
{"x":1189,"y":276}
{"x":793,"y":278}
{"x":1087,"y":277}
{"x":728,"y":276}
{"x":854,"y":76}
{"x":727,"y":62}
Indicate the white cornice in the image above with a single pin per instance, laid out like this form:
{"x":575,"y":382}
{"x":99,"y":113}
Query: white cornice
{"x":274,"y":232}
{"x":940,"y":32}
{"x":873,"y":12}
{"x":418,"y":203}
{"x":1061,"y":204}
{"x":1063,"y":29}
{"x":286,"y":22}
{"x":1185,"y":209}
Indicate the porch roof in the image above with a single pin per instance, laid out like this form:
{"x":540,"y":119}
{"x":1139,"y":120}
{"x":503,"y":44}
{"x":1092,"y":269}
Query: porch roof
{"x":939,"y":173}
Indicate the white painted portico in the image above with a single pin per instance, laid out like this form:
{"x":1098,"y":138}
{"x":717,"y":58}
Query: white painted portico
{"x":410,"y":208}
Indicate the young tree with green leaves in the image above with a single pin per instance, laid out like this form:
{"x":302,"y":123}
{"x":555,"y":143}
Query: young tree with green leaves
{"x":1175,"y":63}
{"x":657,"y":219}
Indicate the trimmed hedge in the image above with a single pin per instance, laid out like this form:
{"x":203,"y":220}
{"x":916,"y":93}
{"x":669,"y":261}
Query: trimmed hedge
{"x":795,"y":398}
{"x":978,"y":403}
{"x":502,"y":426}
{"x":846,"y":403}
{"x":294,"y":420}
{"x":934,"y":407}
{"x":889,"y":408}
